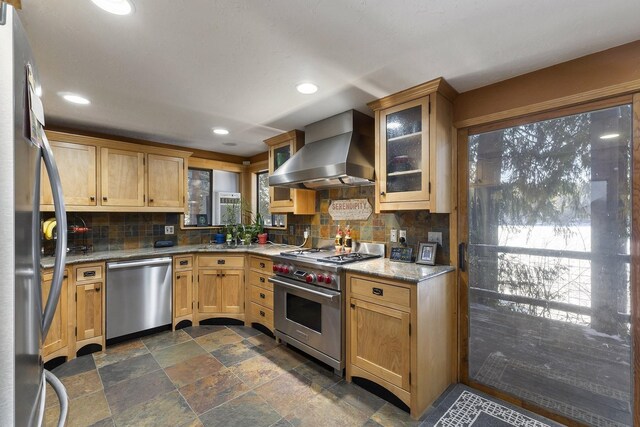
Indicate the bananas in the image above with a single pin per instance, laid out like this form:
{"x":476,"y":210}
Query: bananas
{"x":48,"y":228}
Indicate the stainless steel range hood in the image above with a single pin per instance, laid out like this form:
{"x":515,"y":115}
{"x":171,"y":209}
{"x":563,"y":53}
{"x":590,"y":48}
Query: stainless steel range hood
{"x":337,"y":151}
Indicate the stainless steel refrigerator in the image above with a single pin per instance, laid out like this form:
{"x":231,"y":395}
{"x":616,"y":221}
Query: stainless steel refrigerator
{"x":24,"y":317}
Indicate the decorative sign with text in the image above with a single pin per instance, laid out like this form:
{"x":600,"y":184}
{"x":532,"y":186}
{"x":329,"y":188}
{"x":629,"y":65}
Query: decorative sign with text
{"x":353,"y":209}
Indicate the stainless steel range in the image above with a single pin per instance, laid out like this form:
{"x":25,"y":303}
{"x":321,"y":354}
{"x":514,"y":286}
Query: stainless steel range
{"x":309,"y":299}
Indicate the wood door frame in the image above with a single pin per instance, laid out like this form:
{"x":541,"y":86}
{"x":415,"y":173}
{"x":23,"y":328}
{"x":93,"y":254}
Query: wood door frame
{"x":462,"y":237}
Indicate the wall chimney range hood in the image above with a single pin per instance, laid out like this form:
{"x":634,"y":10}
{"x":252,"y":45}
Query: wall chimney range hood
{"x":338,"y":151}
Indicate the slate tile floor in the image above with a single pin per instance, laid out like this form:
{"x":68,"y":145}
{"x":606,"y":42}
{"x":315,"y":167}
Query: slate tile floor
{"x":212,"y":376}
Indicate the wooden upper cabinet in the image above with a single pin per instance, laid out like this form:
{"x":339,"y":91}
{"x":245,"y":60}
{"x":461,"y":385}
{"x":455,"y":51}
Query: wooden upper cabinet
{"x":283,"y":199}
{"x":122,"y":177}
{"x":77,"y":168}
{"x":414,"y":140}
{"x":165,"y":180}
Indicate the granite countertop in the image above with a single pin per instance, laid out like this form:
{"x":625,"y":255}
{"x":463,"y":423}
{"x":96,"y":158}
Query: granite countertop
{"x":120,"y":255}
{"x":408,"y":272}
{"x":380,"y":267}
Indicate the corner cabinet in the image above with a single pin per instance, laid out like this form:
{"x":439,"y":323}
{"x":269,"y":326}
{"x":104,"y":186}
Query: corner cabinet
{"x":104,"y":175}
{"x":414,"y":140}
{"x":402,"y":336}
{"x":220,"y":287}
{"x":283,"y":199}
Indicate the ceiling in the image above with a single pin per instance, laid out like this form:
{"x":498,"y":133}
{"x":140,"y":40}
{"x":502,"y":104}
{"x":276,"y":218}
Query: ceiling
{"x":175,"y":68}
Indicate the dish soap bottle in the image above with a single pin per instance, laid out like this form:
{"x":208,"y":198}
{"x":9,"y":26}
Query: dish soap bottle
{"x":338,"y":242}
{"x":348,"y":242}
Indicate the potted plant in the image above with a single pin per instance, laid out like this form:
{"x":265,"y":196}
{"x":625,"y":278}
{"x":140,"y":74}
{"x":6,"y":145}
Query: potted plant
{"x":258,"y":227}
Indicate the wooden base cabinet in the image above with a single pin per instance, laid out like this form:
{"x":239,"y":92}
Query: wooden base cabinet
{"x":89,"y":305}
{"x":260,"y":292}
{"x":220,"y":287}
{"x":402,"y":336}
{"x":183,"y":294}
{"x":57,"y":341}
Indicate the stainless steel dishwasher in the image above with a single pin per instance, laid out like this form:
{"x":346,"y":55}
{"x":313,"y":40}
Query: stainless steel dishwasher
{"x":138,"y":295}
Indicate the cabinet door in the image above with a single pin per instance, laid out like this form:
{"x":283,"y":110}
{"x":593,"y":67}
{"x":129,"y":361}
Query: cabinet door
{"x":57,"y":336}
{"x":122,"y":177}
{"x":232,"y":291}
{"x":403,"y":159}
{"x":278,"y":154}
{"x":89,"y":311}
{"x":209,"y":292}
{"x":165,"y":180}
{"x":380,"y":342}
{"x":183,"y":294}
{"x":77,"y":169}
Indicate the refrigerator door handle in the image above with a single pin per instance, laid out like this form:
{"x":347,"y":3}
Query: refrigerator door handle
{"x":58,"y":387}
{"x":61,"y":242}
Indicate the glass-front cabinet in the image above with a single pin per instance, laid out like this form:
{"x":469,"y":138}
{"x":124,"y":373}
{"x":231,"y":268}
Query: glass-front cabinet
{"x":414,"y":139}
{"x":283,"y":199}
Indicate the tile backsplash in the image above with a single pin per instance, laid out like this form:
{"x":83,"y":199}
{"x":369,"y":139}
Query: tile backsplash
{"x":113,"y":231}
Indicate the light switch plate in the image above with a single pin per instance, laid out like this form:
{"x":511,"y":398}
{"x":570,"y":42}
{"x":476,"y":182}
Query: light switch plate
{"x":435,"y":236}
{"x":168,"y":229}
{"x":393,"y":235}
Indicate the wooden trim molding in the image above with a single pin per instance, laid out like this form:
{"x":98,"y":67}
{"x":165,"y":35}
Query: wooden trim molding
{"x":635,"y":259}
{"x":285,"y":137}
{"x":463,"y":237}
{"x":437,"y":85}
{"x":605,"y":74}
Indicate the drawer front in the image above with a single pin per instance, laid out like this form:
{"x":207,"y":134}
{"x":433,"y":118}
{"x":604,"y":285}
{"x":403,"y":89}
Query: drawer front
{"x":262,"y":296}
{"x":262,"y":264}
{"x":380,"y":292}
{"x":262,"y":315}
{"x":89,"y":273}
{"x":261,"y":280}
{"x":183,"y":263}
{"x":221,"y":261}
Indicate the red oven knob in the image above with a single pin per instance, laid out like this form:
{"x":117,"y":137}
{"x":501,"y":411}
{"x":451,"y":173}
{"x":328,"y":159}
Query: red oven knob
{"x":275,"y":268}
{"x":285,"y":269}
{"x":321,"y":278}
{"x":328,"y":280}
{"x":310,"y":278}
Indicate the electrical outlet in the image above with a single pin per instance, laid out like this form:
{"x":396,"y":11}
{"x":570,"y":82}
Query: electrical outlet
{"x":168,"y":229}
{"x":393,"y":236}
{"x":435,"y":236}
{"x":403,"y":235}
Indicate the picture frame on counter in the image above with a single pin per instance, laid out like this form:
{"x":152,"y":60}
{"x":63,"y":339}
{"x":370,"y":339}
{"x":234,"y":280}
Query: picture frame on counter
{"x":427,"y":253}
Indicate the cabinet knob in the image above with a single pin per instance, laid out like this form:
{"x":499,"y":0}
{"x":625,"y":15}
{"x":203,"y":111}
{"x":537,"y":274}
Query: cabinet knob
{"x":262,"y":280}
{"x":150,"y":200}
{"x":92,"y":198}
{"x":382,"y":193}
{"x":262,"y":313}
{"x":263,"y":296}
{"x":177,"y":277}
{"x":262,"y":265}
{"x":97,"y":288}
{"x":104,"y":199}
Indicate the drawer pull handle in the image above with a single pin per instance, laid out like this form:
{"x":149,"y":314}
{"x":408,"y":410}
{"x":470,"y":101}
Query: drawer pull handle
{"x":378,"y":291}
{"x":262,"y":313}
{"x":263,"y":296}
{"x":185,"y":262}
{"x":92,"y":198}
{"x":89,"y":273}
{"x":262,"y":280}
{"x":262,"y":265}
{"x":220,"y":261}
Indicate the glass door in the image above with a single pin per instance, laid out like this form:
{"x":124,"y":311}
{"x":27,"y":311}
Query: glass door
{"x":548,"y":282}
{"x":280,"y":196}
{"x":404,"y":152}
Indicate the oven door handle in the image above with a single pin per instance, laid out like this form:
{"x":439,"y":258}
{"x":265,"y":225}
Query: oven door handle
{"x":329,"y":296}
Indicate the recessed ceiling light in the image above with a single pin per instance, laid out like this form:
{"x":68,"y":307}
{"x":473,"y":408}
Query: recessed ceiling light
{"x":117,"y":7}
{"x":220,"y":131}
{"x":75,"y":99}
{"x":609,"y":135}
{"x":307,"y":88}
{"x":229,"y":144}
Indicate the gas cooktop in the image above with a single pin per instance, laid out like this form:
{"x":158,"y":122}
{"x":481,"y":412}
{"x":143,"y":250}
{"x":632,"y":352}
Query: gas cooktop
{"x":328,"y":255}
